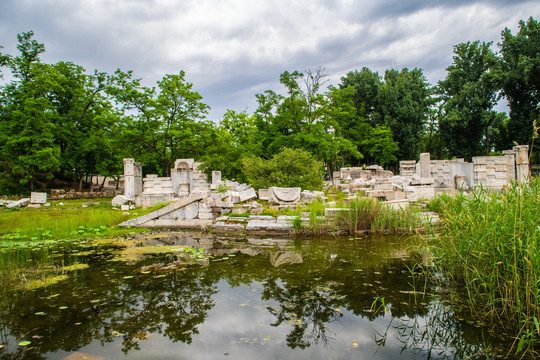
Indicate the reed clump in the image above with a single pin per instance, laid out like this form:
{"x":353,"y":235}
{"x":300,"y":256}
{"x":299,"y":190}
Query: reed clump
{"x":360,"y":215}
{"x":490,"y":242}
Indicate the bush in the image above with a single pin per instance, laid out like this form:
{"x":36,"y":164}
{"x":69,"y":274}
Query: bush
{"x":288,"y":168}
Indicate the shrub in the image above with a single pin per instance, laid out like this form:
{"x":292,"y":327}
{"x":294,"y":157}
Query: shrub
{"x":288,"y":168}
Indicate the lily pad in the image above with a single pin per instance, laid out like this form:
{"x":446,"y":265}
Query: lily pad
{"x":41,"y":313}
{"x":128,"y":277}
{"x":24,"y":343}
{"x":1,"y":346}
{"x":63,"y":307}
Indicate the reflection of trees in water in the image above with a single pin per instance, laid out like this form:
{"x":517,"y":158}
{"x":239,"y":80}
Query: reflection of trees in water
{"x":107,"y":307}
{"x":437,"y":335}
{"x":312,"y":286}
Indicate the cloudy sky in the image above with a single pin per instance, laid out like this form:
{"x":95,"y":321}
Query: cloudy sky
{"x":234,"y":49}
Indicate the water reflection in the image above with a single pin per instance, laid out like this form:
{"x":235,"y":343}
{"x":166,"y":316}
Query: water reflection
{"x":246,"y":298}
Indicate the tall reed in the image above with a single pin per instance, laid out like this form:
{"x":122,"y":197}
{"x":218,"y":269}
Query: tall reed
{"x":490,"y":242}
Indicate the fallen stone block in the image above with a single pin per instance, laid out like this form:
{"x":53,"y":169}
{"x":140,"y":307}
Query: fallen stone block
{"x":279,"y":195}
{"x":18,"y":203}
{"x":38,"y":197}
{"x":247,"y":194}
{"x":263,"y":194}
{"x":264,"y":227}
{"x":223,"y":227}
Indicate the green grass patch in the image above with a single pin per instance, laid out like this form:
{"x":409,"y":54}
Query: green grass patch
{"x":70,"y":220}
{"x":490,"y":245}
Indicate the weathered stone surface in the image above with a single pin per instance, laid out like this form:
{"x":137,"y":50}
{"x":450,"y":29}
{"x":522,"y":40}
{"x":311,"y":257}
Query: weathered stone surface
{"x":396,"y":204}
{"x":224,"y":204}
{"x":307,"y":195}
{"x":182,"y":224}
{"x":206,"y":216}
{"x":223,"y":227}
{"x":396,"y":195}
{"x":182,"y":202}
{"x":247,"y":194}
{"x":38,"y":197}
{"x":191,"y":211}
{"x":415,"y":193}
{"x":263,"y":194}
{"x":261,"y":217}
{"x":240,"y":210}
{"x":216,"y":177}
{"x":33,"y":206}
{"x":120,"y":200}
{"x":265,"y":226}
{"x":18,"y":203}
{"x":280,"y":195}
{"x":425,"y":165}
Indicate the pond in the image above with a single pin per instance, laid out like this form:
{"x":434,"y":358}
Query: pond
{"x":195,"y":296}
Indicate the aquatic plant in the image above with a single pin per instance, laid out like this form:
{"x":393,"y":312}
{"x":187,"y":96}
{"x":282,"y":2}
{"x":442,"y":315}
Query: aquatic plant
{"x":490,"y":243}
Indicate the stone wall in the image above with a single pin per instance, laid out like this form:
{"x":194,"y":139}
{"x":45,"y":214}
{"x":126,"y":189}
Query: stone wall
{"x":152,"y":184}
{"x":494,"y":172}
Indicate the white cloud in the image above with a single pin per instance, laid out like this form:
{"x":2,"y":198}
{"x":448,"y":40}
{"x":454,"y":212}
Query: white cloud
{"x":233,"y":49}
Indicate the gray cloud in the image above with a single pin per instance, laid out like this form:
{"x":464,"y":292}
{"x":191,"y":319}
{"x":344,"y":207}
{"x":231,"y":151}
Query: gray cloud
{"x":233,"y":49}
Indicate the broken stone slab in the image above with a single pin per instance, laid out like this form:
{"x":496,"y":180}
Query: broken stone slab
{"x":183,"y":202}
{"x":261,"y":217}
{"x":396,"y":195}
{"x":240,"y":210}
{"x":417,"y":180}
{"x":120,"y":200}
{"x":206,"y":216}
{"x":263,"y":194}
{"x":307,"y":195}
{"x":33,"y":206}
{"x":18,"y":203}
{"x":247,"y":194}
{"x":38,"y":197}
{"x":182,"y":224}
{"x":223,"y":227}
{"x":264,"y":227}
{"x":224,"y":204}
{"x":279,"y":195}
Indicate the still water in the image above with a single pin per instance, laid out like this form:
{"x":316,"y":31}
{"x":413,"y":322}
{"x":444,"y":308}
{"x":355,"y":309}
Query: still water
{"x":193,"y":296}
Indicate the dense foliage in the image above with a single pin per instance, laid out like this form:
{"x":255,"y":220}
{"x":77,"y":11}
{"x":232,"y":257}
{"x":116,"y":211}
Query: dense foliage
{"x":59,"y":124}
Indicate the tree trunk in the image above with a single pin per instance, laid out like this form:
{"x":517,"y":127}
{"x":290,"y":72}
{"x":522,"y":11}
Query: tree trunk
{"x":102,"y":183}
{"x":81,"y":182}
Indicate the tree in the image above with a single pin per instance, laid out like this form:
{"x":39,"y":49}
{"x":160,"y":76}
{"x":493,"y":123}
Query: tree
{"x":403,"y":103}
{"x":519,"y":76}
{"x":469,"y":93}
{"x":166,"y":124}
{"x":28,"y":148}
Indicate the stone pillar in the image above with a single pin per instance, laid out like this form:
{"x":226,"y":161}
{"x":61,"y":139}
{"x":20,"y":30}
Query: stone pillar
{"x":522,"y":163}
{"x":138,"y":178}
{"x":425,"y":165}
{"x":216,"y":178}
{"x":129,"y":178}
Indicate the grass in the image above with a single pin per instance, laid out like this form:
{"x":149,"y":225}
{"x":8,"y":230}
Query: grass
{"x":490,"y":244}
{"x":65,"y":221}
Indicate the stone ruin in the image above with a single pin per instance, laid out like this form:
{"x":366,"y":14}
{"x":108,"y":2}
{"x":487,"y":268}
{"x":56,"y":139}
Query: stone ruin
{"x":196,"y":202}
{"x":423,"y":179}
